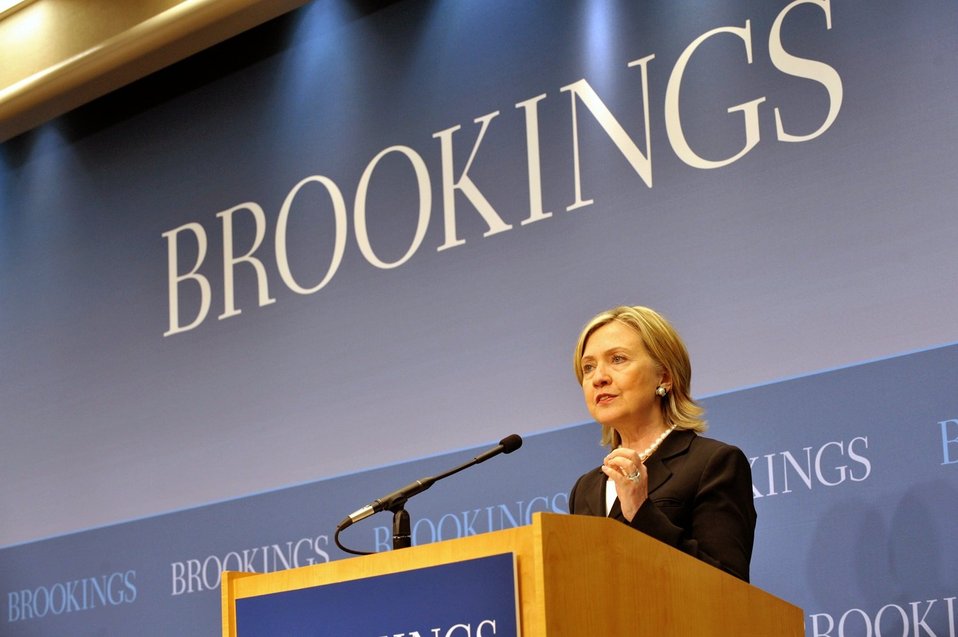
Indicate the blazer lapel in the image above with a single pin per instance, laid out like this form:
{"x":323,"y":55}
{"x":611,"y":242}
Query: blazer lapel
{"x":676,"y":443}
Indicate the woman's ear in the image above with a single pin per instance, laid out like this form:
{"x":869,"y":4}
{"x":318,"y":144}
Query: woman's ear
{"x":666,"y":380}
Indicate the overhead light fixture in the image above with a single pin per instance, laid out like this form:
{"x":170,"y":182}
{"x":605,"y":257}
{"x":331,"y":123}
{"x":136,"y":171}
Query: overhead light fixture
{"x":9,"y":6}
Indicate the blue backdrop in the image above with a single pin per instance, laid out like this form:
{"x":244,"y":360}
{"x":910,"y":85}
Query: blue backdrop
{"x":373,"y":239}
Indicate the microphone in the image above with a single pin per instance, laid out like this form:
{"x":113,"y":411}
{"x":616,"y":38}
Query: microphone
{"x":398,"y":498}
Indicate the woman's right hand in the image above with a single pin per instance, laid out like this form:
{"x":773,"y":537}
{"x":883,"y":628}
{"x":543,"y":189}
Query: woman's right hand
{"x":624,"y":467}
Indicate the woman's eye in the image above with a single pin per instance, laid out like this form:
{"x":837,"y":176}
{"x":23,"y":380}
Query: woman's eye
{"x":587,"y":368}
{"x":618,"y":358}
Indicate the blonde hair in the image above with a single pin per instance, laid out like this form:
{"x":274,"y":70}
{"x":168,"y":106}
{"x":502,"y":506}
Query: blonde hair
{"x":666,"y":348}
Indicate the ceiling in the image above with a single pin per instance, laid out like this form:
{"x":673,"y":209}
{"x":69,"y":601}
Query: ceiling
{"x":60,"y":54}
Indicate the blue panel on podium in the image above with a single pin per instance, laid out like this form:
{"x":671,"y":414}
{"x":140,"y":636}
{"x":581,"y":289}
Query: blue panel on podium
{"x":472,"y":598}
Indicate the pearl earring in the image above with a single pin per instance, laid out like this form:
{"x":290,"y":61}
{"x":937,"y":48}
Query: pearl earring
{"x":661,"y":391}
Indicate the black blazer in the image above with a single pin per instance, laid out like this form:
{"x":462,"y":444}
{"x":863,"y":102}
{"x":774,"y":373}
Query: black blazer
{"x":700,"y":500}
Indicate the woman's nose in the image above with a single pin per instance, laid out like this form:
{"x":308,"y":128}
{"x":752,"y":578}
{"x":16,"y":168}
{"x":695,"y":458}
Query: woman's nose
{"x":599,"y":376}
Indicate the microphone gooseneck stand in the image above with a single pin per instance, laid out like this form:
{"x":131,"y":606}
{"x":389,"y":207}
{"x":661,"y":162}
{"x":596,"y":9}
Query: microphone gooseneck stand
{"x":402,"y":538}
{"x":396,"y":501}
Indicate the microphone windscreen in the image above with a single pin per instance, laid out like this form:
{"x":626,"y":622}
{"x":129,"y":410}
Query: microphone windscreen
{"x":510,"y":443}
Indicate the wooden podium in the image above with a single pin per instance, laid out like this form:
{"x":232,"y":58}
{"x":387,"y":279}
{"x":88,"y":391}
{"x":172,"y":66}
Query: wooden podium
{"x":578,"y":576}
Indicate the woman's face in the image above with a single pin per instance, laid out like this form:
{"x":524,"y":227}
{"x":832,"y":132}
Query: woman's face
{"x":619,"y":379}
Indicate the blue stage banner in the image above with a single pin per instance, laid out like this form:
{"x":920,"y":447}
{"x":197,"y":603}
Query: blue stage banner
{"x":855,"y":479}
{"x":472,"y":598}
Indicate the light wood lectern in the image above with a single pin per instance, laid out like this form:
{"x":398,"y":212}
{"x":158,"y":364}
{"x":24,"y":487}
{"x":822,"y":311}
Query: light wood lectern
{"x":578,"y":576}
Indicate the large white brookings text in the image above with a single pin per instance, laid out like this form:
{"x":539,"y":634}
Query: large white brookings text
{"x":580,"y":92}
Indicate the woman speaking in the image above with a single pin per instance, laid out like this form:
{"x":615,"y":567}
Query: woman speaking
{"x":660,"y":477}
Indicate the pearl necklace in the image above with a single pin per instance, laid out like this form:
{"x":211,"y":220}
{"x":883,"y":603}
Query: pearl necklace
{"x":655,"y":445}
